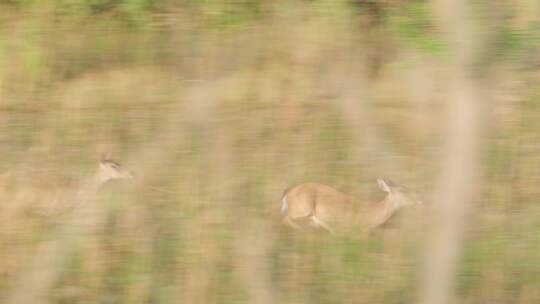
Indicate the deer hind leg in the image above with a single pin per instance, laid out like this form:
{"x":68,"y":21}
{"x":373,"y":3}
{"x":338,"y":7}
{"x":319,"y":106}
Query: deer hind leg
{"x":318,"y":222}
{"x":287,"y":220}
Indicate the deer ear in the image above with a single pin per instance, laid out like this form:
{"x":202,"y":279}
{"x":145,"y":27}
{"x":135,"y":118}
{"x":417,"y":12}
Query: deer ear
{"x":383,"y":185}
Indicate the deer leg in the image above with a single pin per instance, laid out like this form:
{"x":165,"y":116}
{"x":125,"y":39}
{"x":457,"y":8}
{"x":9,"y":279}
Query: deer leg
{"x":322,"y":224}
{"x":287,"y":220}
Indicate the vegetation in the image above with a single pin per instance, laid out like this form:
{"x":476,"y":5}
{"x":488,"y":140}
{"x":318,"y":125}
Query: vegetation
{"x":218,"y":106}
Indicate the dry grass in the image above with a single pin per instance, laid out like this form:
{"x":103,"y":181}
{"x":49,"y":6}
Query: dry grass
{"x":215,"y":136}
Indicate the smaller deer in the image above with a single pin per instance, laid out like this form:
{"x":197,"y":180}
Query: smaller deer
{"x":83,"y":216}
{"x":326,"y":207}
{"x":45,"y":193}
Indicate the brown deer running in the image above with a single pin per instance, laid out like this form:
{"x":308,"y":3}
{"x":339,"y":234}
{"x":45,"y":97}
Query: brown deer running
{"x":43,"y":193}
{"x":37,"y":279}
{"x":327,"y":207}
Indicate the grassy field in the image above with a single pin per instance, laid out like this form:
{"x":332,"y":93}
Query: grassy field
{"x":217,"y":108}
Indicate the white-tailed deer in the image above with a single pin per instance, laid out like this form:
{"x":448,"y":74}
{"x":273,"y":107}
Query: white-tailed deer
{"x":38,"y":276}
{"x":326,"y":207}
{"x":43,"y":192}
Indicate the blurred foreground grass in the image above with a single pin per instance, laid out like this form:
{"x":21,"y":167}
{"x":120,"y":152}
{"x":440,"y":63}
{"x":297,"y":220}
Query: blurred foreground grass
{"x":219,"y":106}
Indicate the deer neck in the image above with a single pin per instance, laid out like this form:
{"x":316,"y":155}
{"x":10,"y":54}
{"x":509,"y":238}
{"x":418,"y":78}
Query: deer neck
{"x":381,"y":212}
{"x":91,"y":184}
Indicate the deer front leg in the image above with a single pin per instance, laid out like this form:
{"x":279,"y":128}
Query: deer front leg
{"x":318,"y":222}
{"x":288,"y":221}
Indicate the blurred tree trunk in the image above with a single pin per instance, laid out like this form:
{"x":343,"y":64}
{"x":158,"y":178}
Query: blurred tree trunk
{"x":458,"y":184}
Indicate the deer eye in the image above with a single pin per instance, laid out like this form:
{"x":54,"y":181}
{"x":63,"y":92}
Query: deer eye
{"x":114,"y":166}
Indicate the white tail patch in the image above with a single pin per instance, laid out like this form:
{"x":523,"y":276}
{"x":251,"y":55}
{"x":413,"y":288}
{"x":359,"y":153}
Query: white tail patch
{"x":284,"y":205}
